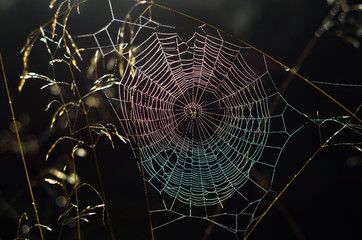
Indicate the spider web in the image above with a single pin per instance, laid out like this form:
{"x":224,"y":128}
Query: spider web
{"x":198,"y":111}
{"x":198,"y":114}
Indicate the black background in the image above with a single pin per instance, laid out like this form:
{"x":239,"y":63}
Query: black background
{"x":324,"y":201}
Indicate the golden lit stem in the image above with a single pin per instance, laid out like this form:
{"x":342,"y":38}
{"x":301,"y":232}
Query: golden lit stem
{"x":21,"y":150}
{"x":297,"y":174}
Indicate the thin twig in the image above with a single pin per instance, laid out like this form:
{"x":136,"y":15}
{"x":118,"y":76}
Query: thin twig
{"x":21,"y":150}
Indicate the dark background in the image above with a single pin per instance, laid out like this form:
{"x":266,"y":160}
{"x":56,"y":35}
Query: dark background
{"x":323,"y":202}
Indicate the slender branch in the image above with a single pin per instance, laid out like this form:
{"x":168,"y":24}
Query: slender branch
{"x":21,"y":149}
